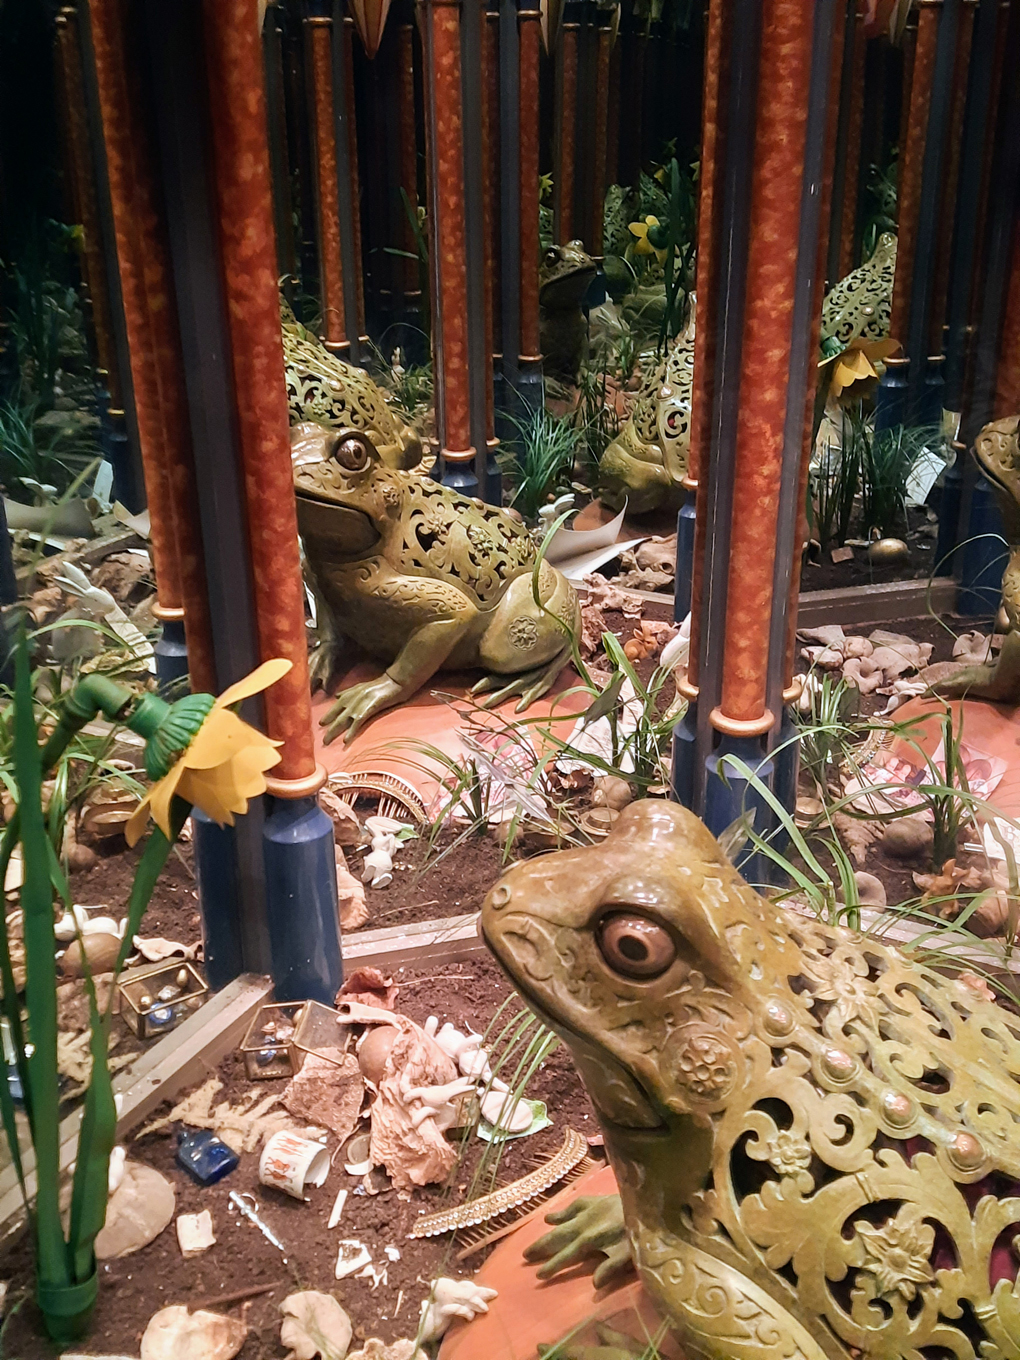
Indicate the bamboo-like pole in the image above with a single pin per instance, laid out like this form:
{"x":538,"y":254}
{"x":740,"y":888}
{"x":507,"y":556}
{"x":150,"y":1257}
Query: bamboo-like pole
{"x":600,"y":132}
{"x":244,"y":198}
{"x":911,"y":166}
{"x":566,"y":54}
{"x":410,"y":275}
{"x":852,"y":163}
{"x":530,"y":42}
{"x":319,"y":57}
{"x":154,"y":347}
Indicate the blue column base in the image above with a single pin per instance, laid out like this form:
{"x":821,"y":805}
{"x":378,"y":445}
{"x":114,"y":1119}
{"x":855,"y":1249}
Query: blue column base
{"x":219,"y":898}
{"x":948,"y":508}
{"x":786,"y":759}
{"x":171,"y":659}
{"x":301,"y":901}
{"x":891,"y":397}
{"x":728,"y":796}
{"x":460,"y":477}
{"x":493,"y":478}
{"x":684,"y":558}
{"x":984,"y":556}
{"x":684,"y":735}
{"x":530,"y":387}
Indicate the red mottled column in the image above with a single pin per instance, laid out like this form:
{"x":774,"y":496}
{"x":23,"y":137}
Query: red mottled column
{"x":150,"y":319}
{"x":319,"y":56}
{"x":707,"y":278}
{"x":852,"y":162}
{"x":603,"y":60}
{"x":911,"y":164}
{"x":1007,"y":378}
{"x":529,"y":28}
{"x":493,"y":168}
{"x":490,"y":191}
{"x":243,"y":187}
{"x":566,"y":128}
{"x":408,"y":162}
{"x":80,"y":153}
{"x":354,"y":180}
{"x":768,"y":320}
{"x":448,"y":235}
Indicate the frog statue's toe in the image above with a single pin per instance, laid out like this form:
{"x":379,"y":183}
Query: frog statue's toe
{"x":590,"y":1226}
{"x":612,"y":1345}
{"x":355,"y":705}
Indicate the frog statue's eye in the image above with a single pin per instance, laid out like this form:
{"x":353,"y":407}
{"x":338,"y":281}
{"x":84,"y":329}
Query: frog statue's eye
{"x":635,"y":946}
{"x":352,"y":451}
{"x":552,"y":256}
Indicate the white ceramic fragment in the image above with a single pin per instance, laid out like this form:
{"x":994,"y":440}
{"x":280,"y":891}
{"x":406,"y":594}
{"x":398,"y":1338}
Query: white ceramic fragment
{"x":501,"y":1112}
{"x":194,"y":1233}
{"x":337,"y":1209}
{"x":449,"y":1299}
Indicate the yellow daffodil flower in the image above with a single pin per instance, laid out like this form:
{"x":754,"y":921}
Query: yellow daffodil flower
{"x":857,"y":362}
{"x":222,"y":768}
{"x":644,"y":246}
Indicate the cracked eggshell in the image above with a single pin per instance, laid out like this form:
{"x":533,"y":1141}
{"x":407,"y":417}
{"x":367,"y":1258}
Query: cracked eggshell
{"x":175,"y":1334}
{"x":313,"y":1325}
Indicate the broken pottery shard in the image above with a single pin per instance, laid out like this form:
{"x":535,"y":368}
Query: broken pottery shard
{"x":352,"y":1256}
{"x":828,"y":636}
{"x":194,"y":1233}
{"x":175,"y":1334}
{"x":412,"y":1154}
{"x":313,"y":1325}
{"x":374,"y":1349}
{"x":346,"y":827}
{"x":370,"y":986}
{"x":137,"y":1212}
{"x":350,"y":892}
{"x":328,"y":1090}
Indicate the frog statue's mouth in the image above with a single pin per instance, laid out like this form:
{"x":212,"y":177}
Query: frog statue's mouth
{"x":620,"y":1099}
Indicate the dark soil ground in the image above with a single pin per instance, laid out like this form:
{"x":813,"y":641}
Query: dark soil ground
{"x":821,"y":573}
{"x":136,"y":1286}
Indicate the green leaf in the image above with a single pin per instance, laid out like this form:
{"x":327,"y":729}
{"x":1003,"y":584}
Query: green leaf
{"x":41,"y":980}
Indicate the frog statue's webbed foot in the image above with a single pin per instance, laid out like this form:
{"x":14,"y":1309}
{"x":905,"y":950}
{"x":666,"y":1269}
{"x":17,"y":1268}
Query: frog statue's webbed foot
{"x":998,"y":682}
{"x":612,"y":1345}
{"x":530,"y":685}
{"x":590,"y":1226}
{"x":355,"y":705}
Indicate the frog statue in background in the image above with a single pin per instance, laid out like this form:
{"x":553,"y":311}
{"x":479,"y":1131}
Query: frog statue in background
{"x":814,"y":1137}
{"x":997,"y":451}
{"x":564,"y":277}
{"x":425,"y":580}
{"x":326,"y":391}
{"x":859,"y":307}
{"x":646,"y":462}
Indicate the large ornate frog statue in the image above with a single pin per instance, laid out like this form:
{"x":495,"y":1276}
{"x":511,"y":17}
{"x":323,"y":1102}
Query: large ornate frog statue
{"x":815,"y":1139}
{"x":564,"y":277}
{"x":425,"y":580}
{"x":324,"y":390}
{"x":646,"y":462}
{"x":997,"y":451}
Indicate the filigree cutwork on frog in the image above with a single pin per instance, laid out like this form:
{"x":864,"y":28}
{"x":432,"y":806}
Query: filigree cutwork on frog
{"x":842,"y":979}
{"x":860,"y":305}
{"x":788,"y":1154}
{"x":895,"y":1253}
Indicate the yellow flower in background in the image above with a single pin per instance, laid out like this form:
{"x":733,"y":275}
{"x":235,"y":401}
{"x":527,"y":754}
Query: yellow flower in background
{"x":644,"y":246}
{"x":857,"y":362}
{"x":222,"y":768}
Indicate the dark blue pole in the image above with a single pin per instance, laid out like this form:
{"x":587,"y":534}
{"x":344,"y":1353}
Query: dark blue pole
{"x":301,"y":901}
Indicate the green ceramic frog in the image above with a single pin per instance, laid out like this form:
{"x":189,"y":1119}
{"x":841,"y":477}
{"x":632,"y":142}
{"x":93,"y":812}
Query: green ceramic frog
{"x":564,"y":278}
{"x":814,"y":1135}
{"x":997,"y":452}
{"x":325,"y":390}
{"x":425,"y":580}
{"x":859,"y":307}
{"x":647,"y":461}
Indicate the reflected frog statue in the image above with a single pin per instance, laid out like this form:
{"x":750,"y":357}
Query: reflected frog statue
{"x":425,"y":580}
{"x":326,"y":391}
{"x":647,"y":461}
{"x":859,"y":307}
{"x":814,"y":1137}
{"x":565,"y":275}
{"x":997,"y":453}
